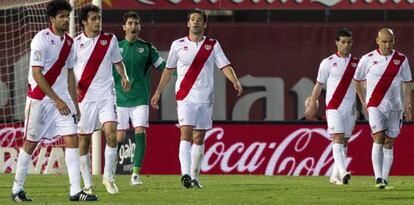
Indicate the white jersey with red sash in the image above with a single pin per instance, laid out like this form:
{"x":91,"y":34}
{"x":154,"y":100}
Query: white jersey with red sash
{"x":384,"y":75}
{"x":93,"y":66}
{"x":55,"y":55}
{"x":337,"y":73}
{"x":195,"y":68}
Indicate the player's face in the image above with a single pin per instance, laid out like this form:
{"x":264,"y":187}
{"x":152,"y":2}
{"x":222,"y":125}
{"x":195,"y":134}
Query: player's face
{"x":61,"y":21}
{"x":344,"y":45}
{"x":385,"y":43}
{"x":132,"y":27}
{"x":196,"y":24}
{"x":93,"y":23}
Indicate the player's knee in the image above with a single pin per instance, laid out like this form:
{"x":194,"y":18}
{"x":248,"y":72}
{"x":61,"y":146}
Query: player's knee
{"x":139,"y":130}
{"x":388,"y":143}
{"x":29,"y":146}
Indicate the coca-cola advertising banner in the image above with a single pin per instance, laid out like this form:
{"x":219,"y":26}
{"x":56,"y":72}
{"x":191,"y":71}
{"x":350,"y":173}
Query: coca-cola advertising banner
{"x":236,"y":148}
{"x":258,"y":4}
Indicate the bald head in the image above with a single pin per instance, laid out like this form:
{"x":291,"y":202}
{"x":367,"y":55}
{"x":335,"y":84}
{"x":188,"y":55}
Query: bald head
{"x":385,"y":41}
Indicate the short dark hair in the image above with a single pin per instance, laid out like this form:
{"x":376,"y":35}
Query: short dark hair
{"x":83,"y":15}
{"x":199,"y":11}
{"x":55,"y":6}
{"x":343,"y":32}
{"x":131,"y":14}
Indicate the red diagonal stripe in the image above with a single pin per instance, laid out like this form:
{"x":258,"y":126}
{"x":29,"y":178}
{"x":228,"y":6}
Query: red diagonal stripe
{"x":195,"y":68}
{"x":386,"y":79}
{"x":52,"y":74}
{"x":343,"y":85}
{"x":93,"y":64}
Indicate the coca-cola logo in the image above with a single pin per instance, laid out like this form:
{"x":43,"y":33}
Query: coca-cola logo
{"x":305,"y":151}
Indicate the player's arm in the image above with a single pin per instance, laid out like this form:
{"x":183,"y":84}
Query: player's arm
{"x":165,"y":78}
{"x":231,"y":75}
{"x":407,"y":100}
{"x":311,"y":110}
{"x":120,"y":68}
{"x":72,"y":92}
{"x":359,"y":88}
{"x":45,"y":87}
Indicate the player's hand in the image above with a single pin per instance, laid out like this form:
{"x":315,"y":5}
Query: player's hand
{"x":126,"y":85}
{"x":407,"y":113}
{"x":154,"y":101}
{"x":62,"y":107}
{"x":78,"y":115}
{"x":237,"y":86}
{"x":310,"y":112}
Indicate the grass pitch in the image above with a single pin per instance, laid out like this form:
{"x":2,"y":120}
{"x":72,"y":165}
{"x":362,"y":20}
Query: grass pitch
{"x":220,"y":189}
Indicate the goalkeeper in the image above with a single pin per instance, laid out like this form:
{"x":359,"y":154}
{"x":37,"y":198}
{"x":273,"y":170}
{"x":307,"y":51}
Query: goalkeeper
{"x":138,"y":56}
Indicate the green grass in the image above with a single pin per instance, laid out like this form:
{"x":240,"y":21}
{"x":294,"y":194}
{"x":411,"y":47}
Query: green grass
{"x":221,"y":189}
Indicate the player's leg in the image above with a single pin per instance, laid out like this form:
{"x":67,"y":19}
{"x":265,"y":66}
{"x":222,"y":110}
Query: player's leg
{"x":108,"y":118}
{"x":204,"y":122}
{"x":377,"y":123}
{"x":339,"y":156}
{"x":186,"y":119}
{"x":73,"y":166}
{"x":139,"y":117}
{"x":394,"y":125}
{"x":33,"y":127}
{"x":86,"y":126}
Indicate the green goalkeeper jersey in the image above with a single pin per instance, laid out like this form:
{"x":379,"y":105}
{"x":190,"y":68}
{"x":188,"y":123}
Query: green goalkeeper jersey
{"x":138,"y":57}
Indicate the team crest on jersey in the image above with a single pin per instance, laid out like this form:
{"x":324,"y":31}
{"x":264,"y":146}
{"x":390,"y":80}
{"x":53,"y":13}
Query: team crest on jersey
{"x":69,"y":42}
{"x":354,"y":65}
{"x":207,"y":47}
{"x":140,"y":50}
{"x":397,"y":62}
{"x":103,"y":42}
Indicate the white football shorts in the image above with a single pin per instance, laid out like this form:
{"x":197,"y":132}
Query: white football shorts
{"x":341,"y":121}
{"x":95,"y":114}
{"x":389,"y":121}
{"x":197,"y":115}
{"x":138,"y":115}
{"x":43,"y":120}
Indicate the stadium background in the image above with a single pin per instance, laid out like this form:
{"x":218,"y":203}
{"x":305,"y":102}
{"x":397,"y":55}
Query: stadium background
{"x":275,"y":49}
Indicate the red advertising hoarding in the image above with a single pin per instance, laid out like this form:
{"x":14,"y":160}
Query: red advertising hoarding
{"x":257,"y":4}
{"x":242,"y":148}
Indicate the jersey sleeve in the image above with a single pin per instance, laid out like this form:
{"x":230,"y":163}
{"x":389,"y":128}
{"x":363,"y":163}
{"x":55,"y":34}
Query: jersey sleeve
{"x":406,"y":71}
{"x":38,"y":51}
{"x":220,"y":59}
{"x":323,"y":72}
{"x":362,"y":69}
{"x":115,"y":51}
{"x":156,"y":59}
{"x":172,"y":57}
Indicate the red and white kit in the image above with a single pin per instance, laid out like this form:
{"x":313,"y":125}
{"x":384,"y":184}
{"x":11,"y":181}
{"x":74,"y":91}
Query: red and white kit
{"x":337,"y":73}
{"x":55,"y":56}
{"x":383,"y":75}
{"x":195,"y":78}
{"x":94,"y":58}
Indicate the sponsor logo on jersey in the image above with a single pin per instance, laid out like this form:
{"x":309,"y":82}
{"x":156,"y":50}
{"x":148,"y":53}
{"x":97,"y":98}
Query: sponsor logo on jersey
{"x":207,"y":47}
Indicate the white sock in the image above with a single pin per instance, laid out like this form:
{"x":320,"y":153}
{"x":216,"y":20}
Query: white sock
{"x":197,"y":155}
{"x":72,"y":162}
{"x":85,"y":167}
{"x":338,"y":154}
{"x":377,"y":157}
{"x":184,"y":155}
{"x":387,"y":163}
{"x":21,"y":170}
{"x":110,"y":158}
